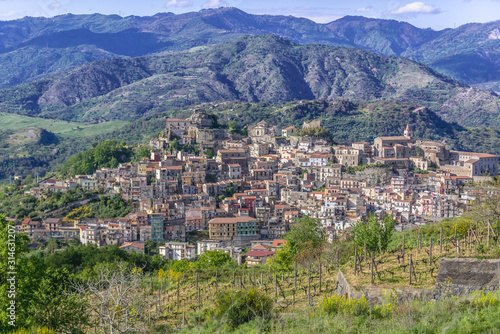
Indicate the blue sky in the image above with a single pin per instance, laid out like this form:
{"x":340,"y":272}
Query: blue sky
{"x":436,"y":14}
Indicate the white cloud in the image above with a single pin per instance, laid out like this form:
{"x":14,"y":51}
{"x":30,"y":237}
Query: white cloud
{"x":214,"y":3}
{"x":365,"y":9}
{"x":54,"y":5}
{"x":178,"y":3}
{"x":8,"y":15}
{"x":416,"y":8}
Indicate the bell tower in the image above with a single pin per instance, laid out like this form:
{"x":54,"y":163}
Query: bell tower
{"x":408,"y":133}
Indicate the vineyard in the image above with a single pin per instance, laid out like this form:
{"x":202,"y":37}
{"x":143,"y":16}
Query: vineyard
{"x":413,"y":256}
{"x":173,"y":298}
{"x":170,"y":298}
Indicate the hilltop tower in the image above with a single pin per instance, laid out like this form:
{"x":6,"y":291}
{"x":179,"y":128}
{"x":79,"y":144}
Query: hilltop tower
{"x":408,"y":133}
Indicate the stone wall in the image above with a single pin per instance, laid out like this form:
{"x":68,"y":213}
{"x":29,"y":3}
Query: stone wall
{"x":456,"y":277}
{"x":463,"y":275}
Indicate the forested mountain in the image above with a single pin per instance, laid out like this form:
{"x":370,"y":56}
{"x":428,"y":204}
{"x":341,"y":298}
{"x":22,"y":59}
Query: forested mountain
{"x":264,"y":68}
{"x":31,"y":48}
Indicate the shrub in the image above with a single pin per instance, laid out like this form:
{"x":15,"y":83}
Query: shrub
{"x":341,"y":304}
{"x":238,"y":307}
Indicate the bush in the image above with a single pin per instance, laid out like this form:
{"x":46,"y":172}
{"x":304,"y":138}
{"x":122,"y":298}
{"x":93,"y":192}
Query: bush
{"x":359,"y":307}
{"x":238,"y":307}
{"x":341,"y":304}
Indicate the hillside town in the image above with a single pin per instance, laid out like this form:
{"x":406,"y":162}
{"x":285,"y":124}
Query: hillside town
{"x":246,"y":188}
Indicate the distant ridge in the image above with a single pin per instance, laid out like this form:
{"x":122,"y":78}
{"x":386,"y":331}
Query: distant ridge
{"x":31,"y":48}
{"x":251,"y":68}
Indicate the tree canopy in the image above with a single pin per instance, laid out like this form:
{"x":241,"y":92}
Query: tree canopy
{"x":108,"y":153}
{"x":376,"y":234}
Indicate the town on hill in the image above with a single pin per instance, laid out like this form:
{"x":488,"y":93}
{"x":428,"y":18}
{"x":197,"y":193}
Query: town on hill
{"x":246,"y":186}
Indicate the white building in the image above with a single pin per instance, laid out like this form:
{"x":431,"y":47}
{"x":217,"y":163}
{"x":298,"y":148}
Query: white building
{"x":177,"y":251}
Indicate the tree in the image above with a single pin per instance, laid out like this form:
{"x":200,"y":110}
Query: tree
{"x":377,"y":235}
{"x":244,"y":131}
{"x":306,"y":230}
{"x":52,"y":245}
{"x":180,"y":266}
{"x":175,"y":145}
{"x":209,"y":153}
{"x":13,"y":287}
{"x":28,"y":179}
{"x":54,"y":305}
{"x":233,"y":126}
{"x":284,"y":258}
{"x":142,"y":152}
{"x":419,"y":151}
{"x":150,"y":247}
{"x":117,"y":301}
{"x":214,"y":259}
{"x":306,"y":239}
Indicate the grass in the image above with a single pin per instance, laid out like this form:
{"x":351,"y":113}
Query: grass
{"x":476,"y":313}
{"x":62,"y":128}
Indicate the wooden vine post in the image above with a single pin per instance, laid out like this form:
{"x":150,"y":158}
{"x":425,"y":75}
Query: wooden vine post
{"x":441,"y":240}
{"x":295,"y":274}
{"x":419,"y":243}
{"x":355,"y":259}
{"x":364,"y":258}
{"x":402,"y":251}
{"x":410,"y":270}
{"x":319,"y":273}
{"x":430,"y":252}
{"x":309,"y":290}
{"x":275,"y":285}
{"x":178,"y":294}
{"x":371,"y":267}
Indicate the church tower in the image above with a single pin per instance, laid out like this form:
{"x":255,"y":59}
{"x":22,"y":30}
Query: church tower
{"x":408,"y":133}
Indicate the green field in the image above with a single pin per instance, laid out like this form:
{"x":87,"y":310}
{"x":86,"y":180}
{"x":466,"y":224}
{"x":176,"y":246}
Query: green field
{"x":61,"y":128}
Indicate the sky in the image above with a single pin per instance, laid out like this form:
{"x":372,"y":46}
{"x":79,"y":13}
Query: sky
{"x":435,"y":14}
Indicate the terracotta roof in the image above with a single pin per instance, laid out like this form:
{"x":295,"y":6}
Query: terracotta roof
{"x":226,"y":220}
{"x":260,"y":247}
{"x":258,"y":253}
{"x":132,"y":244}
{"x":278,"y":243}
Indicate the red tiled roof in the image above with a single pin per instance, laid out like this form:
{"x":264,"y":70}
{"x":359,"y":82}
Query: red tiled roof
{"x":278,"y":242}
{"x":258,"y":253}
{"x":132,"y":244}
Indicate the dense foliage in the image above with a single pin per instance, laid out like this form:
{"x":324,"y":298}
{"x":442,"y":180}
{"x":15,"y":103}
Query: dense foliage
{"x":110,"y":207}
{"x":215,"y":259}
{"x":108,"y":153}
{"x":15,"y":204}
{"x":375,"y":234}
{"x":237,"y":307}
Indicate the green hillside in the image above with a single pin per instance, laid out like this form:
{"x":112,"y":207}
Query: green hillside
{"x":63,"y":129}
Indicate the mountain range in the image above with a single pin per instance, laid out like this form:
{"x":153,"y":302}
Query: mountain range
{"x":32,"y":48}
{"x":250,"y":68}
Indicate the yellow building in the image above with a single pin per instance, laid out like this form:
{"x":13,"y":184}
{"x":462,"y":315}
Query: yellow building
{"x":226,"y":228}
